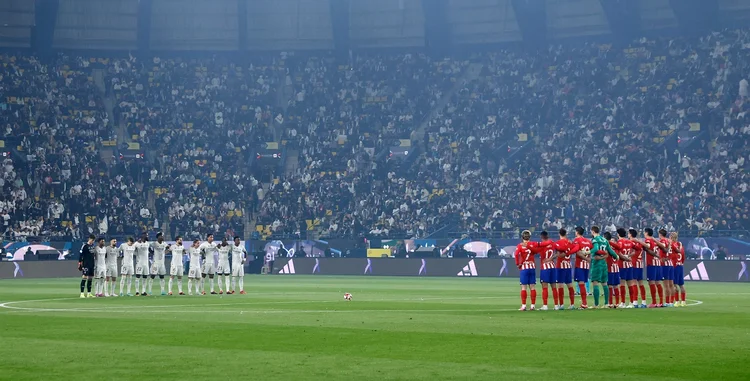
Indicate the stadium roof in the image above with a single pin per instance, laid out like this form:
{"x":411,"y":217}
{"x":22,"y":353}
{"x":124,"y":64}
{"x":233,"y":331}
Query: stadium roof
{"x":327,"y":24}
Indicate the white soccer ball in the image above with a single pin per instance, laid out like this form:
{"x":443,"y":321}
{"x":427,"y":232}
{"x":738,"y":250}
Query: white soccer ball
{"x":348,"y":297}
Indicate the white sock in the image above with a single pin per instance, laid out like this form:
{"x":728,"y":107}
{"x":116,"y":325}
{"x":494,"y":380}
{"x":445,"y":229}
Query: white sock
{"x":212,"y":284}
{"x":226,"y":281}
{"x":242,"y":283}
{"x":130,"y":282}
{"x":150,"y":285}
{"x":170,"y":285}
{"x":234,"y":283}
{"x":218,"y":279}
{"x":143,"y":286}
{"x":190,"y":285}
{"x":179,"y":285}
{"x":122,"y":286}
{"x":201,"y":286}
{"x":161,"y":284}
{"x":137,"y":285}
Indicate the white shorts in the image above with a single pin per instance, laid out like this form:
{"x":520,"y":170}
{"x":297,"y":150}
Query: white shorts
{"x":127,"y":269}
{"x":208,"y":267}
{"x":158,"y":268}
{"x":223,"y":268}
{"x":100,"y":272}
{"x":238,"y":270}
{"x":112,"y":271}
{"x":141,"y":269}
{"x":194,"y":273}
{"x":176,"y":269}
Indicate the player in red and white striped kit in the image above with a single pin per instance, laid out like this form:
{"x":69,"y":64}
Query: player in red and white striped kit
{"x":637,"y":260}
{"x":583,"y":263}
{"x":548,"y":274}
{"x":564,"y":277}
{"x":678,"y":259}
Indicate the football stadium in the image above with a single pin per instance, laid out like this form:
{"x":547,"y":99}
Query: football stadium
{"x":374,"y":189}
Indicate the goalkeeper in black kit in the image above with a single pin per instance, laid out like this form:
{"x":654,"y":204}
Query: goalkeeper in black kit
{"x":86,"y":265}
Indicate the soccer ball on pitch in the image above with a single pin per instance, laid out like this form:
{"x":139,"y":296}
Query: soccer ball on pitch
{"x":348,"y":297}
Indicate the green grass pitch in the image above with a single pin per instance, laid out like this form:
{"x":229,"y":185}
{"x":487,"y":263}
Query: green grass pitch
{"x":300,"y":328}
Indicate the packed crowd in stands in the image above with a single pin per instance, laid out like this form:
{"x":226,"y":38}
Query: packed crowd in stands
{"x":653,"y":134}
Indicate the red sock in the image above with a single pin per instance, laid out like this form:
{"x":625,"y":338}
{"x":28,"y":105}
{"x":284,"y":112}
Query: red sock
{"x":556,"y":296}
{"x":545,"y":295}
{"x":611,"y":295}
{"x":571,"y":294}
{"x":652,"y":288}
{"x":582,"y":290}
{"x":523,"y":297}
{"x":633,"y":293}
{"x":643,"y":293}
{"x":683,"y":296}
{"x":622,"y":293}
{"x":661,"y":293}
{"x":617,"y":295}
{"x":533,"y":296}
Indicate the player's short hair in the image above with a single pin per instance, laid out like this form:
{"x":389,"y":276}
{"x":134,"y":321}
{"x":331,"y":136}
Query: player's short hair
{"x":607,"y":235}
{"x":210,"y":235}
{"x":101,"y":239}
{"x":178,"y":237}
{"x":622,"y":232}
{"x":663,"y":232}
{"x":196,"y":240}
{"x":595,"y":229}
{"x":579,"y":230}
{"x":159,"y":235}
{"x":675,"y":235}
{"x":526,"y":235}
{"x":649,"y":231}
{"x":633,"y":232}
{"x":544,"y":234}
{"x":131,"y":240}
{"x":91,"y":236}
{"x":236,"y":237}
{"x":563,"y":232}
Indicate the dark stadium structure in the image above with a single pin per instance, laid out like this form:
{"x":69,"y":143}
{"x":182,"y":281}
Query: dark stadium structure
{"x":310,"y":119}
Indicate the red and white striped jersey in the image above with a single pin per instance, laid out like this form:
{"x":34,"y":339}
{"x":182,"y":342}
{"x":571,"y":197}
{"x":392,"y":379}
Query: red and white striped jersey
{"x":664,"y":254}
{"x":524,"y":255}
{"x":582,"y":242}
{"x":637,"y":258}
{"x":678,"y":253}
{"x":627,"y":249}
{"x":548,"y":253}
{"x":565,"y":247}
{"x":652,"y":260}
{"x":612,"y":265}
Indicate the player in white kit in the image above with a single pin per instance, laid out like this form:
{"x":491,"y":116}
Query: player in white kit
{"x":239,"y":255}
{"x":141,"y":265}
{"x":223,"y":270}
{"x":176,"y":269}
{"x":194,"y":273}
{"x":158,"y":267}
{"x":207,"y":251}
{"x":111,"y":280}
{"x":127,"y":250}
{"x":100,"y":270}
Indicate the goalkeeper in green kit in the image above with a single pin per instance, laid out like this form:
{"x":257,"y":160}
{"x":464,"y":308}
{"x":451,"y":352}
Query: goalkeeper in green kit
{"x":600,"y":250}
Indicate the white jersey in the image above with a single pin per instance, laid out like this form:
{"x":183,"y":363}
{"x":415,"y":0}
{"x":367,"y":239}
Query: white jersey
{"x":238,"y":255}
{"x":128,"y":252}
{"x":111,"y":256}
{"x":195,"y":257}
{"x":178,"y":251}
{"x":160,"y":250}
{"x":101,"y":257}
{"x":224,"y":253}
{"x":141,"y":255}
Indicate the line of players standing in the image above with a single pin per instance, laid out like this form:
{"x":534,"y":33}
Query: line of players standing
{"x":624,"y":260}
{"x":98,"y":262}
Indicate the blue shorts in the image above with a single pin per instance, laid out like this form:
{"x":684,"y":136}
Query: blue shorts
{"x":613,"y":279}
{"x":564,"y":276}
{"x":548,"y":276}
{"x":653,"y":273}
{"x":667,"y":272}
{"x":582,"y":275}
{"x":637,"y":273}
{"x":679,"y":275}
{"x":626,"y":274}
{"x":528,"y":276}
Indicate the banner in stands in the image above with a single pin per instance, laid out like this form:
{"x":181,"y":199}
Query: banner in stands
{"x":720,"y":271}
{"x":715,"y":271}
